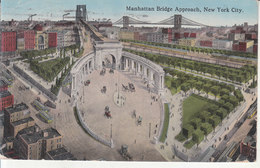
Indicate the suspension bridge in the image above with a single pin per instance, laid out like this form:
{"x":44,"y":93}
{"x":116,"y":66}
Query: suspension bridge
{"x":176,"y":20}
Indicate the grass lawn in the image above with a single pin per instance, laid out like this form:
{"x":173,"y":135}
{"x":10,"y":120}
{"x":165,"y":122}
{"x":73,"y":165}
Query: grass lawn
{"x":165,"y":123}
{"x":191,"y":106}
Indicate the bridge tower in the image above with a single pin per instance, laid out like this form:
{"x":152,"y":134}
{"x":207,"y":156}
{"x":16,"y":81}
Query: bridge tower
{"x":177,"y":21}
{"x":125,"y":21}
{"x":81,"y":12}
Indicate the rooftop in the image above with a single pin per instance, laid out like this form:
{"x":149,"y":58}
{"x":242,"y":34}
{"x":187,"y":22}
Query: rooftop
{"x":16,"y":108}
{"x":44,"y":134}
{"x":3,"y":83}
{"x":9,"y":139}
{"x":4,"y":93}
{"x":29,"y":130}
{"x":25,"y":120}
{"x":61,"y":154}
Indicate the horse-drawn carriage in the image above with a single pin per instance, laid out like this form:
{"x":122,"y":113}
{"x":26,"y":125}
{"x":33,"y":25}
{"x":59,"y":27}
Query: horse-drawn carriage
{"x":107,"y":112}
{"x":103,"y":71}
{"x":86,"y":83}
{"x":104,"y":90}
{"x":131,"y":87}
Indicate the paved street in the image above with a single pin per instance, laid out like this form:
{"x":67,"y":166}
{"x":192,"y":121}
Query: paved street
{"x":124,"y":127}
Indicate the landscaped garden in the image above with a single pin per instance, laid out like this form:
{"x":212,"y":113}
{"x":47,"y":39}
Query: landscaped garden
{"x":48,"y":70}
{"x":195,"y":49}
{"x":237,"y":75}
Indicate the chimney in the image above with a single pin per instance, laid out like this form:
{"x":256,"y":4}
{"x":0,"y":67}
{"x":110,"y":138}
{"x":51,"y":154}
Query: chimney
{"x":45,"y":134}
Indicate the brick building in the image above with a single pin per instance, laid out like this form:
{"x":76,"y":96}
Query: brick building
{"x":255,"y":47}
{"x":14,"y":114}
{"x":29,"y":39}
{"x":38,"y":27}
{"x":206,"y":43}
{"x":35,"y":145}
{"x":6,"y":99}
{"x":8,"y":41}
{"x":52,"y":39}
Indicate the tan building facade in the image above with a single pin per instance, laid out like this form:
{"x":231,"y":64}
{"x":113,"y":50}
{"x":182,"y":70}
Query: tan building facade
{"x":41,"y":40}
{"x":187,"y":42}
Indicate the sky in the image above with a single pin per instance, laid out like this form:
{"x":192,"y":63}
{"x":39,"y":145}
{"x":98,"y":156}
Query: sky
{"x":115,"y":9}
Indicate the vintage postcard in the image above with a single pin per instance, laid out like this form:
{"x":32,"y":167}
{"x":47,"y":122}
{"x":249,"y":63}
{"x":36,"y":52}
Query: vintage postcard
{"x":129,"y":80}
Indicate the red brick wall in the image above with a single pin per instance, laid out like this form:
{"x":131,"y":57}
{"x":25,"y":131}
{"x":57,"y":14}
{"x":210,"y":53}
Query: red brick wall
{"x":206,"y":43}
{"x":8,"y":41}
{"x":29,"y":39}
{"x":255,"y":49}
{"x":52,"y":40}
{"x":6,"y":102}
{"x":193,"y":35}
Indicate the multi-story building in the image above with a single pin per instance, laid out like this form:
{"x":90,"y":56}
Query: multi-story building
{"x":248,"y":147}
{"x":168,"y":32}
{"x":29,"y":39}
{"x":236,"y":36}
{"x":206,"y":43}
{"x":38,"y":27}
{"x":41,"y":40}
{"x":14,"y":114}
{"x":59,"y":154}
{"x":20,"y":40}
{"x":222,"y":44}
{"x":244,"y":46}
{"x":157,"y":37}
{"x":35,"y":145}
{"x":52,"y":37}
{"x":3,"y":85}
{"x":187,"y":41}
{"x":6,"y":99}
{"x":126,"y":35}
{"x":177,"y":36}
{"x":255,"y":48}
{"x":69,"y":38}
{"x":193,"y":35}
{"x":19,"y":125}
{"x":8,"y":41}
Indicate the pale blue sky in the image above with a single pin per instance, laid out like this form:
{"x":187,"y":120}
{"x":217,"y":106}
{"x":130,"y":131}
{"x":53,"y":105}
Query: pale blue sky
{"x":114,"y":9}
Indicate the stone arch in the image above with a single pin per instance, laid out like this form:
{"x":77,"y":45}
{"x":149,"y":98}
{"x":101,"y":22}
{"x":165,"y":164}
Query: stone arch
{"x":40,"y":42}
{"x":109,"y":61}
{"x":90,"y":65}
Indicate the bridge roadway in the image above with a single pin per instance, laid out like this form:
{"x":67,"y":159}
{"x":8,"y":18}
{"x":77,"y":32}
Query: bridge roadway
{"x":188,"y":57}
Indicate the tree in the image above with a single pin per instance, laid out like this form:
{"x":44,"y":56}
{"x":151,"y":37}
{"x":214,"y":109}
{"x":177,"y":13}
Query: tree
{"x":224,"y":91}
{"x":213,"y":108}
{"x":206,"y":88}
{"x":204,"y":116}
{"x":198,"y":136}
{"x":198,"y":86}
{"x":228,"y":106}
{"x":185,"y":87}
{"x":206,"y":128}
{"x":215,"y":90}
{"x":187,"y":130}
{"x":222,"y":113}
{"x":214,"y":121}
{"x":195,"y":122}
{"x":233,"y":100}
